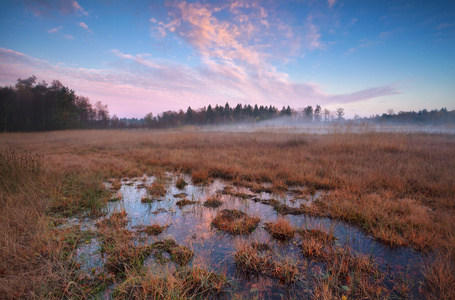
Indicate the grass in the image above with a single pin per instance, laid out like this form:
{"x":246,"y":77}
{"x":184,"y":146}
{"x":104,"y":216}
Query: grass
{"x":116,"y":220}
{"x":156,"y":189}
{"x":316,"y":243}
{"x":181,"y":183}
{"x":398,"y":187}
{"x":280,"y":229}
{"x":260,"y":259}
{"x":153,"y":229}
{"x":122,"y":259}
{"x":186,"y":283}
{"x":213,"y":201}
{"x":351,"y":275}
{"x":184,"y":202}
{"x":178,"y":254}
{"x":180,"y":195}
{"x":200,"y":177}
{"x":281,"y":208}
{"x":116,"y":184}
{"x":228,"y":190}
{"x":235,"y":221}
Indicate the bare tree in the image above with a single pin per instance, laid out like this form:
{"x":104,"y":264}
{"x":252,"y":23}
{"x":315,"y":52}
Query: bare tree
{"x":327,"y":115}
{"x":339,"y":113}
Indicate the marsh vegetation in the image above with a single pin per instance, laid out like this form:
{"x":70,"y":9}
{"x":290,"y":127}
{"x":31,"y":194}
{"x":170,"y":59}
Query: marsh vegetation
{"x":267,"y":214}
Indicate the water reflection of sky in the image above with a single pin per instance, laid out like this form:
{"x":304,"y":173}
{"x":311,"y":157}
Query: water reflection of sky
{"x":190,"y":226}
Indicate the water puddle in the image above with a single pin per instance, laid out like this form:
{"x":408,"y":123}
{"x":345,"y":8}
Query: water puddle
{"x":189,"y":224}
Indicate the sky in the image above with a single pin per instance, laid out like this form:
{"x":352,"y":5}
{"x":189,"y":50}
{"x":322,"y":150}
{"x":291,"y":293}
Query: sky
{"x":152,"y":56}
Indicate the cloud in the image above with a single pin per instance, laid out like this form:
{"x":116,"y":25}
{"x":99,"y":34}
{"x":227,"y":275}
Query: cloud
{"x":313,"y":37}
{"x":136,"y":84}
{"x":83,"y":25}
{"x":45,"y":7}
{"x":54,"y":30}
{"x":331,"y":3}
{"x":69,"y":37}
{"x":445,"y":25}
{"x":78,"y":8}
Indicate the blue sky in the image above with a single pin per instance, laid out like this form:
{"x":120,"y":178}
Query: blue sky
{"x":152,"y":56}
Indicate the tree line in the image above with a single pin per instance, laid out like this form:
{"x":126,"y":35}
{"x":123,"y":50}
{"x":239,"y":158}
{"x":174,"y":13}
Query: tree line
{"x":39,"y":106}
{"x":433,"y":117}
{"x":215,"y":115}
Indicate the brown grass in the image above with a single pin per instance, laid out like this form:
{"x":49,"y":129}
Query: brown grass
{"x":440,"y":277}
{"x":213,"y":201}
{"x":257,"y":259}
{"x":153,"y":229}
{"x":200,"y":177}
{"x":184,"y":202}
{"x":187,"y":283}
{"x":178,"y":254}
{"x":156,"y":189}
{"x":235,"y":221}
{"x":397,"y":186}
{"x":280,"y":229}
{"x":181,"y":183}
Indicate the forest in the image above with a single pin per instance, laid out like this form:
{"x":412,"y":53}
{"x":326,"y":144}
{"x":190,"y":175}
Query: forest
{"x":38,"y":106}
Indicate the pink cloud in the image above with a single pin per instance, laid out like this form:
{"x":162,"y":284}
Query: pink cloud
{"x":137,"y":84}
{"x":83,"y":25}
{"x":54,"y":30}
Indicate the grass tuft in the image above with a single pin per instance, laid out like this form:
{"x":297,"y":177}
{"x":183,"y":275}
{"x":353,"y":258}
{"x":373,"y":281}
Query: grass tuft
{"x":213,"y":201}
{"x":181,"y":183}
{"x":178,"y":254}
{"x":280,"y":229}
{"x":235,"y":222}
{"x":200,"y":177}
{"x":184,"y":202}
{"x":260,"y":259}
{"x":156,"y":189}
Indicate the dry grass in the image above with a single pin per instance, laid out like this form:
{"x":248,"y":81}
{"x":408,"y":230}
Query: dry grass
{"x":153,"y":229}
{"x":194,"y":282}
{"x":397,"y":186}
{"x":34,"y":255}
{"x":181,"y":183}
{"x":156,"y":189}
{"x":351,"y":275}
{"x":200,"y":177}
{"x":178,"y":254}
{"x":184,"y":202}
{"x":260,"y":259}
{"x":213,"y":201}
{"x":280,"y":229}
{"x":235,"y":221}
{"x":440,"y":277}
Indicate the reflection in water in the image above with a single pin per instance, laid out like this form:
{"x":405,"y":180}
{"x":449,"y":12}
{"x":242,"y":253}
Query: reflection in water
{"x":190,"y":226}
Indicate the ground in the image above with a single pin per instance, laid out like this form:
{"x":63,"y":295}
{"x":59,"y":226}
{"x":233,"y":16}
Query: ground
{"x":396,"y":187}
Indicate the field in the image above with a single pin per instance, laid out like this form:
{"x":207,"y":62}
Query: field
{"x":176,"y":214}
